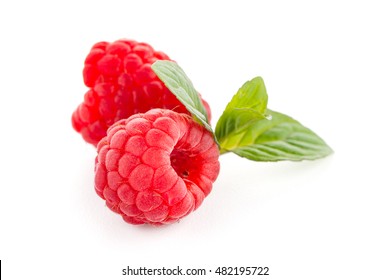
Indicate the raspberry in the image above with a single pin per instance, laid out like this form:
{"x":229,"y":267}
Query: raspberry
{"x":156,"y":167}
{"x":121,"y":83}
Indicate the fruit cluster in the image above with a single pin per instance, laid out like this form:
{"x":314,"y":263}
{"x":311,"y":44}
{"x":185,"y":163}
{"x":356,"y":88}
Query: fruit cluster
{"x":155,"y":164}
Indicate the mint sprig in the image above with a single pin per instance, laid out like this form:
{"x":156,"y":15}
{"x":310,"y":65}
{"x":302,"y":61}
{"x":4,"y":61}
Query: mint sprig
{"x":246,"y":127}
{"x":173,"y":76}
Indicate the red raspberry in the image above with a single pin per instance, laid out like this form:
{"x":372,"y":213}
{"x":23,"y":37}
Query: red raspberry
{"x":156,"y":167}
{"x":121,"y":84}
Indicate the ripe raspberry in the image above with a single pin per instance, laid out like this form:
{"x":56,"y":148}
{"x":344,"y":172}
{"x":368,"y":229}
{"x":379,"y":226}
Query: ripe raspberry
{"x":156,"y":167}
{"x":121,"y":84}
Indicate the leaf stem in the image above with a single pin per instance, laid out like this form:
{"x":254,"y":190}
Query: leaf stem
{"x":223,"y":151}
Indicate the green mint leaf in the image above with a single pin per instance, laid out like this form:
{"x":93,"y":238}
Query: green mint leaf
{"x":248,"y":129}
{"x":276,"y":138}
{"x":247,"y":105}
{"x":181,"y":86}
{"x":252,"y":95}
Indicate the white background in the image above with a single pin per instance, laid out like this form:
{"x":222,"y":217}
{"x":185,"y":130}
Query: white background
{"x":326,"y":63}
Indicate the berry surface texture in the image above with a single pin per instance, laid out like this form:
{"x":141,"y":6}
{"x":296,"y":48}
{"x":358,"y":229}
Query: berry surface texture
{"x":156,"y":167}
{"x":121,"y":83}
